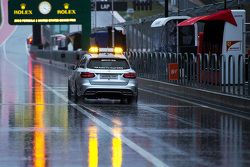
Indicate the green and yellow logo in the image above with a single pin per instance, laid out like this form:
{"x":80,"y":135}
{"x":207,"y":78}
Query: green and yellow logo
{"x":23,"y":6}
{"x":66,"y":10}
{"x":22,"y":10}
{"x":66,"y":6}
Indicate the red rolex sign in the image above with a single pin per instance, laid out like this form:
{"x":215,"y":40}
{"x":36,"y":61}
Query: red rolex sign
{"x":173,"y":72}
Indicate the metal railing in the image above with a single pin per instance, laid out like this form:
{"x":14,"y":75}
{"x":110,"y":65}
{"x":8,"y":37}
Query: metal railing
{"x":220,"y":73}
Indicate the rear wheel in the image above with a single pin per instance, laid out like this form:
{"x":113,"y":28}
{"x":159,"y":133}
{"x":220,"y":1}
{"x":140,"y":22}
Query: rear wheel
{"x":132,"y":100}
{"x":69,"y":91}
{"x":76,"y":97}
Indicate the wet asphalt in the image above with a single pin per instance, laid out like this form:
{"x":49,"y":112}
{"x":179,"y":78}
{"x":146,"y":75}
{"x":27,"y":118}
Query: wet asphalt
{"x":41,"y":127}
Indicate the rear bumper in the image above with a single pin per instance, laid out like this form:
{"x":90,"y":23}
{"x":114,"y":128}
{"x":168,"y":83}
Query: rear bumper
{"x":109,"y":91}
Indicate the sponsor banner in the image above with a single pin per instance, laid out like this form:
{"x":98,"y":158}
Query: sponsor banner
{"x":233,"y":45}
{"x":48,"y":11}
{"x":173,"y":71}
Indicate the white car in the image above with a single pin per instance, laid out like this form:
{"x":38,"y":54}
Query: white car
{"x":104,"y":73}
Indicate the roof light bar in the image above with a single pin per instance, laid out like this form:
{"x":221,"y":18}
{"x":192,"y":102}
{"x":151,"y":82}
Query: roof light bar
{"x":96,"y":50}
{"x":93,"y":49}
{"x":118,"y":50}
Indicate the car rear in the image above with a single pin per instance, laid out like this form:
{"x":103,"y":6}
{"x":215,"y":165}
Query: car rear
{"x":109,"y":77}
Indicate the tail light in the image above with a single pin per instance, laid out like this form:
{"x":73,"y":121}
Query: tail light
{"x":87,"y":75}
{"x":29,"y":40}
{"x":130,"y":75}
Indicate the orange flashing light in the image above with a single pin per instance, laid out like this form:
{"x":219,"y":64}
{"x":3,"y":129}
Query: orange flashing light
{"x":118,"y":50}
{"x":93,"y":49}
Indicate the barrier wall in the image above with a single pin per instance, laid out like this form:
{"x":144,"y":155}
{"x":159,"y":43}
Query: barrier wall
{"x":61,"y":58}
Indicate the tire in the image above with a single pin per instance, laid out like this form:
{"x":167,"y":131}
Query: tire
{"x":83,"y":98}
{"x":76,"y":97}
{"x":69,"y":91}
{"x":132,"y":100}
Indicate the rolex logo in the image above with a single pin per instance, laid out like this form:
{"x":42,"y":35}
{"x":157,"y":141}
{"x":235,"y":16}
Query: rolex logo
{"x":66,"y":10}
{"x":22,"y":10}
{"x":23,"y":6}
{"x":66,"y":6}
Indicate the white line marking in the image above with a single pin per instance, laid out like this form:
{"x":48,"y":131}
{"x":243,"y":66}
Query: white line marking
{"x":2,"y":14}
{"x":199,"y":89}
{"x":194,"y":103}
{"x":148,"y":156}
{"x":3,"y":21}
{"x":3,"y":44}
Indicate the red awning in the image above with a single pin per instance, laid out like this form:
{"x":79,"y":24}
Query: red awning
{"x":191,"y":21}
{"x":224,"y":15}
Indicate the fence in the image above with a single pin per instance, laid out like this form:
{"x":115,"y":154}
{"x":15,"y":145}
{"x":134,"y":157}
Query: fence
{"x":212,"y":72}
{"x":248,"y":52}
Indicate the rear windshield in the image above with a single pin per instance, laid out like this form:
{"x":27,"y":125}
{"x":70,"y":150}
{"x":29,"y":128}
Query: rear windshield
{"x":108,"y":63}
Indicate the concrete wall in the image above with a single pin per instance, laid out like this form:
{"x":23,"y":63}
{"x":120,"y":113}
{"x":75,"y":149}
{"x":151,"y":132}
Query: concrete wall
{"x":62,"y":58}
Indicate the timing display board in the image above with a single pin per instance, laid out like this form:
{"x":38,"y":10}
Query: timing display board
{"x":26,"y":12}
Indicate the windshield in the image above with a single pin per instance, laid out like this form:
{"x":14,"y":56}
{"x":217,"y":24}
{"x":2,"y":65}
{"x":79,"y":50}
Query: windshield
{"x":108,"y":63}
